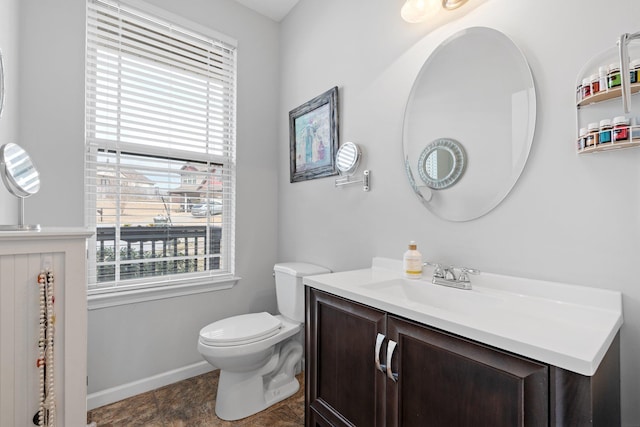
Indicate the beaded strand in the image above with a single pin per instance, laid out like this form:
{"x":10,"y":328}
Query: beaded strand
{"x":45,"y":362}
{"x":42,"y":279}
{"x":50,"y":401}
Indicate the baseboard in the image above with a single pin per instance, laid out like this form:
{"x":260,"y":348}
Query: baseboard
{"x":114,"y":394}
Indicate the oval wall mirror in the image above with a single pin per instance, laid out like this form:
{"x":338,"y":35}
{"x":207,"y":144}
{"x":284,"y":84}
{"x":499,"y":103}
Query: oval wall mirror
{"x":476,"y":89}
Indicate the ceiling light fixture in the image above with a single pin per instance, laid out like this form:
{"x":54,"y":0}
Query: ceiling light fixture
{"x":452,"y":4}
{"x":414,"y":11}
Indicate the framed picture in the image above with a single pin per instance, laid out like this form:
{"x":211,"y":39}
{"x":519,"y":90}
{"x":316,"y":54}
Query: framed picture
{"x":313,"y":137}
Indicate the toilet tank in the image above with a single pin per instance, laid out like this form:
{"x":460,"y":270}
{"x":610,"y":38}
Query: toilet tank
{"x":289,"y":287}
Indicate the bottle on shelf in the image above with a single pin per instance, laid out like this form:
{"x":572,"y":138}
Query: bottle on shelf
{"x":613,"y":76}
{"x":586,"y":88}
{"x":595,"y":84}
{"x":620,"y":129}
{"x":591,"y":140}
{"x":605,"y":131}
{"x":602,"y":76}
{"x":634,"y":67}
{"x":582,"y":136}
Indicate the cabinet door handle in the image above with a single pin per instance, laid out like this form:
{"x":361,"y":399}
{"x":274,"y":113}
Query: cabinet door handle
{"x":391,"y":347}
{"x":379,"y":339}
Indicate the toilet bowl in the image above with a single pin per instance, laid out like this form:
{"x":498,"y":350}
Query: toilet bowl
{"x":258,"y":353}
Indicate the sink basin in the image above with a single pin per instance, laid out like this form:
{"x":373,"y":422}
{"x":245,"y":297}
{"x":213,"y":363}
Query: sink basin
{"x":485,"y":304}
{"x":564,"y":325}
{"x":418,"y":293}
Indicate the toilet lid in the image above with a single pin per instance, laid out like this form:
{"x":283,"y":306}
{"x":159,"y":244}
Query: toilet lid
{"x":242,"y":329}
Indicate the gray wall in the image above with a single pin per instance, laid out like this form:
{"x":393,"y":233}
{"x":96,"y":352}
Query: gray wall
{"x":9,"y":118}
{"x":51,"y":121}
{"x":569,"y":218}
{"x":133,"y":342}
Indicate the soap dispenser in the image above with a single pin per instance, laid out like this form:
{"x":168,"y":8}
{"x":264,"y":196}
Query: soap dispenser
{"x":412,"y":262}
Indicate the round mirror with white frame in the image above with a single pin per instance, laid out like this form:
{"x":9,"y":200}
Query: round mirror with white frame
{"x":442,"y":163}
{"x":477,"y":89}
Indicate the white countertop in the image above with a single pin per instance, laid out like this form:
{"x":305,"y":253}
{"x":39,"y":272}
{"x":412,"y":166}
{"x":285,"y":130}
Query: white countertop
{"x":47,"y":233}
{"x":563,"y":325}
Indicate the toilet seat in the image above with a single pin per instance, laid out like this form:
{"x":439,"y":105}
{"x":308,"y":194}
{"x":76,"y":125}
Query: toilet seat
{"x":240,"y":330}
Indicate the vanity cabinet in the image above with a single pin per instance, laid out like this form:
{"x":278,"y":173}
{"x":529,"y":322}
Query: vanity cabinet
{"x":437,"y":378}
{"x":23,"y":255}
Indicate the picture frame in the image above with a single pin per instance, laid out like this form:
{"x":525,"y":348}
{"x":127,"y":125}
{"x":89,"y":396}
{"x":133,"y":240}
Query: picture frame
{"x":313,"y":137}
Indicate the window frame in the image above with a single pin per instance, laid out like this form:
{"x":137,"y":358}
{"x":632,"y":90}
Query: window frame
{"x":165,"y":286}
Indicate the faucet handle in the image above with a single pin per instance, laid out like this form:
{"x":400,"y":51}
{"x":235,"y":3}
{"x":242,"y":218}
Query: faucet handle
{"x":439,"y":270}
{"x":464,"y":273}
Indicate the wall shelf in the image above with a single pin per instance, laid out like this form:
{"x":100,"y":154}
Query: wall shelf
{"x":607,"y":104}
{"x":611,"y":146}
{"x":606,"y":95}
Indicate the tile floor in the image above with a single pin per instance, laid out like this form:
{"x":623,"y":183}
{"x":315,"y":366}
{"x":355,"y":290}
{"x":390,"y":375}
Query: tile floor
{"x":191,"y":403}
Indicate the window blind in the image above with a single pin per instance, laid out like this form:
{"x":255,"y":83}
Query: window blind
{"x":160,"y":150}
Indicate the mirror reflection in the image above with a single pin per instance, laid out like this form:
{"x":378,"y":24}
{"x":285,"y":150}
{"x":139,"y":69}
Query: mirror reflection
{"x":21,"y":178}
{"x":18,"y":171}
{"x":347,"y":161}
{"x":475,"y":88}
{"x":441,"y":163}
{"x":347,"y":158}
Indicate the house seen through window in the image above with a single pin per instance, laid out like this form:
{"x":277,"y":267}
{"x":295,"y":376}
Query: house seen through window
{"x":160,"y":151}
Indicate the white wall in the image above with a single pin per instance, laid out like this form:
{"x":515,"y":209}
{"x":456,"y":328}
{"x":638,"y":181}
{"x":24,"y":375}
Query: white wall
{"x":569,"y":218}
{"x":9,"y":118}
{"x":133,"y":342}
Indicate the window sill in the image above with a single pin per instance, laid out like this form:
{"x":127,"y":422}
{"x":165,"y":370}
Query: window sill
{"x":134,"y":296}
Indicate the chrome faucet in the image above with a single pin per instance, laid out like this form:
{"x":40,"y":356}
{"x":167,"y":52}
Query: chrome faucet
{"x":446,"y":275}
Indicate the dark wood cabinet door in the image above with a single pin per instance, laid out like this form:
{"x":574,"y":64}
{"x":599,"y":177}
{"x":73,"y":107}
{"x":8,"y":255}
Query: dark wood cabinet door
{"x":314,"y":419}
{"x":578,"y":400}
{"x":343,"y":386}
{"x":445,"y":380}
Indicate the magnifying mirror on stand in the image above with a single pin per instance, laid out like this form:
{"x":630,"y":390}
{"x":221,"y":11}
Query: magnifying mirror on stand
{"x":347,"y":160}
{"x":21,"y":178}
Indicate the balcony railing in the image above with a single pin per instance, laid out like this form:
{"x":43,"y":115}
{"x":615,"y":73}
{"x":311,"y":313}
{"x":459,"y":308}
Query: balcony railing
{"x":147,"y":251}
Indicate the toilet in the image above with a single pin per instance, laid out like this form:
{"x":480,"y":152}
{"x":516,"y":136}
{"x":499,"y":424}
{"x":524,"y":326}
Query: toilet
{"x":258,"y":353}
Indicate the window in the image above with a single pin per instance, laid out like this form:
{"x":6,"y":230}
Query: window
{"x":160,"y":151}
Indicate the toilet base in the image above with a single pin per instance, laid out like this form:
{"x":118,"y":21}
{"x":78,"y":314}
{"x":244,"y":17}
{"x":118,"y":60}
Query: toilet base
{"x":241,"y":394}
